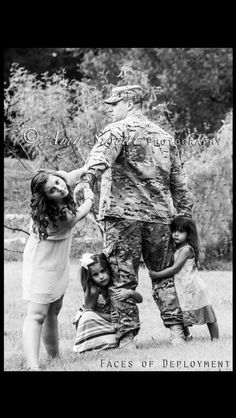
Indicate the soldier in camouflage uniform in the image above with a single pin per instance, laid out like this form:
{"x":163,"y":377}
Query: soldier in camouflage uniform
{"x":142,"y":178}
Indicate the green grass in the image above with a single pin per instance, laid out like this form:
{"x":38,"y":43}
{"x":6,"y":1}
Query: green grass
{"x":154,"y":351}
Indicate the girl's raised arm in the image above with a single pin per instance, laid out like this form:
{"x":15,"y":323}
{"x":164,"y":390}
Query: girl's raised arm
{"x":82,"y":210}
{"x":90,"y":297}
{"x":73,"y":176}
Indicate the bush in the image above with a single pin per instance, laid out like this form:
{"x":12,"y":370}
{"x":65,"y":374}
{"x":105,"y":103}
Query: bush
{"x":210,"y":177}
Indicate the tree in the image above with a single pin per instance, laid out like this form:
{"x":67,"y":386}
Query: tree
{"x":196,"y":83}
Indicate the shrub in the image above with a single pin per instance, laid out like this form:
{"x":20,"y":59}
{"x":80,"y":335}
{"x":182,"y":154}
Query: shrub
{"x":210,"y":177}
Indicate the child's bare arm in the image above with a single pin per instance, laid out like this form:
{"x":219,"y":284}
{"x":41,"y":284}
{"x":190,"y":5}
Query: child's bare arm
{"x":90,"y":302}
{"x":90,"y":297}
{"x":171,"y":271}
{"x":73,"y":176}
{"x":84,"y":209}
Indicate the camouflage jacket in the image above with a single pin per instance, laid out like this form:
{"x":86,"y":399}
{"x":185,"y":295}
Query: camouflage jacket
{"x":142,"y":176}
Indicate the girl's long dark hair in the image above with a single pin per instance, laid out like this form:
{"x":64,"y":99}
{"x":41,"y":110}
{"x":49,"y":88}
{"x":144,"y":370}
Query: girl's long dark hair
{"x":43,"y":208}
{"x":184,"y":224}
{"x":85,"y":274}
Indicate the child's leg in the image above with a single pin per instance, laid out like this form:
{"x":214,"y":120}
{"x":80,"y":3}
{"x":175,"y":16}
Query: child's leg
{"x":188,"y":334}
{"x":177,"y":334}
{"x":214,"y":330}
{"x":32,"y":327}
{"x":50,"y":329}
{"x":186,"y":331}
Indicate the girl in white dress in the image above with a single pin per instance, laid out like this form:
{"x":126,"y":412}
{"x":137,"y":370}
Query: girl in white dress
{"x":46,"y":257}
{"x":190,"y":288}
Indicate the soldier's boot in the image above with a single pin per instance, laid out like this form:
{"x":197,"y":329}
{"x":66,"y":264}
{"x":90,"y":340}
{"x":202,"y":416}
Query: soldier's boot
{"x":127,"y":341}
{"x":177,"y":336}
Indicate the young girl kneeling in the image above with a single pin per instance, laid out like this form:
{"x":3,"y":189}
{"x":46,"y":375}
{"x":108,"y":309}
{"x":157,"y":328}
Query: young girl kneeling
{"x":93,"y":320}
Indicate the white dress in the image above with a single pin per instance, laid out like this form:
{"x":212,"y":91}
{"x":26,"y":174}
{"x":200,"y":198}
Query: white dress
{"x":192,"y":294}
{"x":46,"y":264}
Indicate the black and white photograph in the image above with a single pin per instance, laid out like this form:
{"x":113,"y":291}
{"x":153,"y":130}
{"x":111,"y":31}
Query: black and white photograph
{"x":118,"y":209}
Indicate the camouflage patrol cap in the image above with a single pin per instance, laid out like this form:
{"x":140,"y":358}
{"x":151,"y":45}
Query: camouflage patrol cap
{"x":125,"y":92}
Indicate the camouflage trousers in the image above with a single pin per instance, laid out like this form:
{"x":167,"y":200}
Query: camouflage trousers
{"x":125,"y":240}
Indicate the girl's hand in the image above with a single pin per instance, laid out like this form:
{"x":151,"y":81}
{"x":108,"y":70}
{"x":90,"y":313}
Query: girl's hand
{"x":122,"y":294}
{"x":91,"y":297}
{"x":93,"y":291}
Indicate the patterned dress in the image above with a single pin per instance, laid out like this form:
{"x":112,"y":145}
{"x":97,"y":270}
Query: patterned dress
{"x":192,"y":293}
{"x":94,"y":332}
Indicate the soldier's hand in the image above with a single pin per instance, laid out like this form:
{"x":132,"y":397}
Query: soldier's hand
{"x":121,"y":294}
{"x":79,"y":191}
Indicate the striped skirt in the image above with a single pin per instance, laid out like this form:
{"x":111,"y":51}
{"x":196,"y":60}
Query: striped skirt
{"x":94,"y":333}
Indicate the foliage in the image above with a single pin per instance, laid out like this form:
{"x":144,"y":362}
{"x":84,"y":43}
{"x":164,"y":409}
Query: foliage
{"x":210,"y":176}
{"x":39,"y":60}
{"x":57,"y":109}
{"x":68,"y":114}
{"x":195,"y":82}
{"x":56,"y":121}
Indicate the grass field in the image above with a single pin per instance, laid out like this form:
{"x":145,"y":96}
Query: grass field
{"x":154,"y":352}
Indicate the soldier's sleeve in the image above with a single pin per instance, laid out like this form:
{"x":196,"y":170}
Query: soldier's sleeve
{"x":180,"y":190}
{"x":104,"y":152}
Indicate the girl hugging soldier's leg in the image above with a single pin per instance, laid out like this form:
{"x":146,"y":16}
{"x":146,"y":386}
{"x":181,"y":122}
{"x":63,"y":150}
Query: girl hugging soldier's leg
{"x":158,"y":254}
